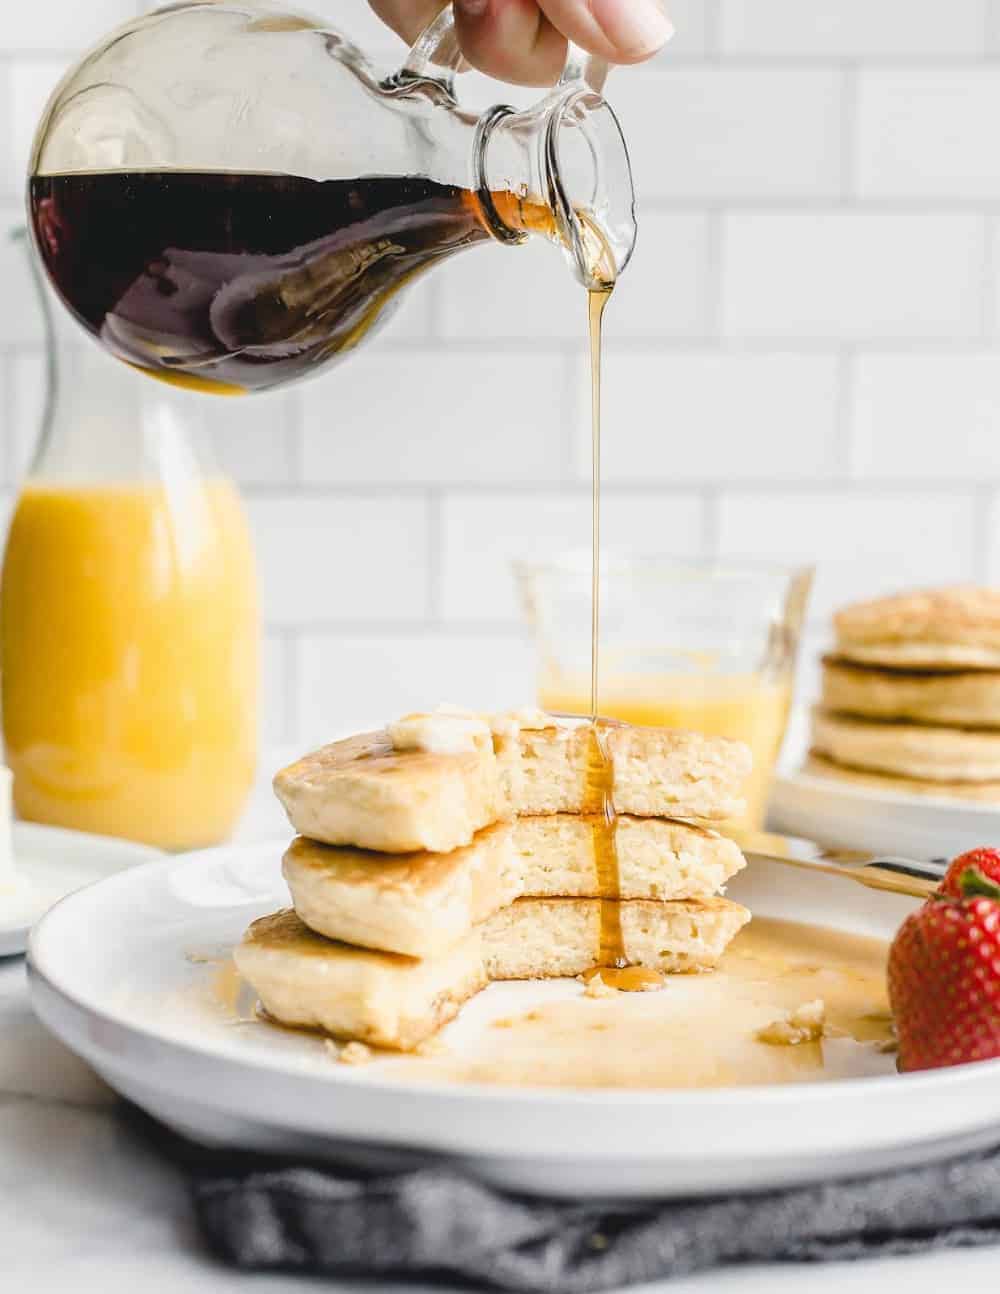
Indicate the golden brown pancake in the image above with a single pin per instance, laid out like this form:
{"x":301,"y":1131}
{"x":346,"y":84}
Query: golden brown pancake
{"x":422,"y":903}
{"x":961,"y":698}
{"x":931,"y":754}
{"x":365,"y":793}
{"x":387,"y":1000}
{"x":929,"y":629}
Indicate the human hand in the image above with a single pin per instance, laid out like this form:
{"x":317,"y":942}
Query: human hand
{"x":524,"y":41}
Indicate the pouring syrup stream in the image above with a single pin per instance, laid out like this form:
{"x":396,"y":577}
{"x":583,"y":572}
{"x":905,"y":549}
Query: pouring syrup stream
{"x":611,"y":952}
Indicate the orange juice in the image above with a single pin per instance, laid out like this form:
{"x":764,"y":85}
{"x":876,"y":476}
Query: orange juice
{"x":745,"y":707}
{"x":129,"y":659}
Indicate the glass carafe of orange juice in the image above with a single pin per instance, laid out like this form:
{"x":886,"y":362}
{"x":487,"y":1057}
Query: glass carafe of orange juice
{"x":128,"y":613}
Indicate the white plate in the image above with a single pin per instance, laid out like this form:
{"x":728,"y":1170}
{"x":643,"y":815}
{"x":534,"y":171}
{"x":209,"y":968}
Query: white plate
{"x":884,"y":822}
{"x":123,"y":1003}
{"x":52,"y":863}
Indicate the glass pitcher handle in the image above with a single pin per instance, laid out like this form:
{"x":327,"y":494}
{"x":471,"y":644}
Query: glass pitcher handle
{"x":435,"y":54}
{"x":588,"y":68}
{"x":437,"y":48}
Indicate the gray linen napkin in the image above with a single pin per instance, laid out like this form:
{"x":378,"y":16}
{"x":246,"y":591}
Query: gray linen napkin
{"x":429,"y":1222}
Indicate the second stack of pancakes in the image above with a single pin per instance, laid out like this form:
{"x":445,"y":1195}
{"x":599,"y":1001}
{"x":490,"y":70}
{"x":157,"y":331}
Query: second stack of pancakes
{"x":453,"y":849}
{"x":911,"y":695}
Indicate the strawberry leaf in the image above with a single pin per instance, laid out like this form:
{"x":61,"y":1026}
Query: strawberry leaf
{"x":974,"y":885}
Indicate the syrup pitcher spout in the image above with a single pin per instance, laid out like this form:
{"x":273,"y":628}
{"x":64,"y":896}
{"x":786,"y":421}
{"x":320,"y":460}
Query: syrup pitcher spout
{"x":575,"y":156}
{"x":566,"y":156}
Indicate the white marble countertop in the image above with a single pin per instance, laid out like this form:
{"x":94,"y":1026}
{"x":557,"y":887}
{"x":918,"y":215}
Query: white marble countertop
{"x":86,"y":1206}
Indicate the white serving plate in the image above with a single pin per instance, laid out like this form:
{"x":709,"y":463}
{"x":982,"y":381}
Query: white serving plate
{"x":117,"y":1000}
{"x":883,"y":822}
{"x":52,"y":863}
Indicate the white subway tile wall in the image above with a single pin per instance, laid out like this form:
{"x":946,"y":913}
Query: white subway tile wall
{"x":690,"y":422}
{"x":802,"y":362}
{"x":853,"y":275}
{"x":928,"y":132}
{"x":481,"y":532}
{"x":865,"y":541}
{"x":714,"y":131}
{"x":349,"y":679}
{"x":886,"y":29}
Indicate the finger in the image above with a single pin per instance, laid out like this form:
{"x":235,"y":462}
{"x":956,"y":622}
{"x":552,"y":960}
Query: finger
{"x":407,"y":18}
{"x":511,"y":40}
{"x":621,"y":31}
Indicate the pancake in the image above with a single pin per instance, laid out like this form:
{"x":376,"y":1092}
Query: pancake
{"x":367,"y":793}
{"x":969,"y":792}
{"x":387,"y":1000}
{"x":969,"y":698}
{"x":933,"y":629}
{"x":363,"y":792}
{"x":932,"y":754}
{"x":421,"y":904}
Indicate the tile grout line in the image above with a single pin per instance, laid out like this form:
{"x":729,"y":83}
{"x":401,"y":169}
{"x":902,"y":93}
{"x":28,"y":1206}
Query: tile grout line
{"x":850,"y":131}
{"x":434,"y":306}
{"x":294,"y":438}
{"x":711,"y":525}
{"x":573,"y":419}
{"x":666,"y":488}
{"x":8,"y":469}
{"x":291,"y":675}
{"x":714,"y":274}
{"x":988,"y":303}
{"x":845,"y":428}
{"x":724,"y":344}
{"x":434,"y":592}
{"x":713,"y":32}
{"x":397,"y":628}
{"x":981,"y":531}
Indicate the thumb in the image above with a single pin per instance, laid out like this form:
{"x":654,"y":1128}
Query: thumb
{"x":621,"y":31}
{"x":636,"y":28}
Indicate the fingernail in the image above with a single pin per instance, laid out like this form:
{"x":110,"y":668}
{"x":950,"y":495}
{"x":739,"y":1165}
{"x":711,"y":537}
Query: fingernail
{"x":472,"y":8}
{"x":634,"y":27}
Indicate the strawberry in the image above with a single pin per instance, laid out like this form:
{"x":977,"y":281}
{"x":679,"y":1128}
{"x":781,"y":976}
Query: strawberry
{"x":984,"y":860}
{"x":944,"y":978}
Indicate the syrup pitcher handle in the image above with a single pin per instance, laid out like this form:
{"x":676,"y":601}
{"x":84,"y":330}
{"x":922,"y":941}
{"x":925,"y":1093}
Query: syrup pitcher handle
{"x":436,"y":55}
{"x":585,"y":68}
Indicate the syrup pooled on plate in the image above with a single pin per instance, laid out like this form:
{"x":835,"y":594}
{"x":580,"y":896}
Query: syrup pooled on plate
{"x":701,"y":1031}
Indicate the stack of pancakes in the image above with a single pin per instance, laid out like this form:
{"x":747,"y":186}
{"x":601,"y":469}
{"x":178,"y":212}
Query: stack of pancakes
{"x":451,"y":850}
{"x":911,"y":695}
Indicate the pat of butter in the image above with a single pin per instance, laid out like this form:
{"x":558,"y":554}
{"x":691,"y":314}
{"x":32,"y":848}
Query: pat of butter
{"x":7,"y":877}
{"x":527,"y":719}
{"x":441,"y":733}
{"x":532,"y":719}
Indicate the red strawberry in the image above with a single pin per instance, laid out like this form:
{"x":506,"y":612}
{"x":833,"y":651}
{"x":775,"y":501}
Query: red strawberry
{"x":944,"y":978}
{"x":984,"y":860}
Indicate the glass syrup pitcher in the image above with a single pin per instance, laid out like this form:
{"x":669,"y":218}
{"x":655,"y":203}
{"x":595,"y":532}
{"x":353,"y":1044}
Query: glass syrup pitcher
{"x":229,"y":195}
